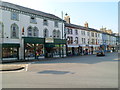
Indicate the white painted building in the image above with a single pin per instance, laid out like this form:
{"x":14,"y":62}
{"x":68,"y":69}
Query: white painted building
{"x":24,"y":30}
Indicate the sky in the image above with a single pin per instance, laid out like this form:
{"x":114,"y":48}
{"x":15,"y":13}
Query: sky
{"x":98,"y":13}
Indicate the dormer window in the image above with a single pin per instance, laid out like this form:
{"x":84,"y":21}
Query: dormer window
{"x":33,"y":20}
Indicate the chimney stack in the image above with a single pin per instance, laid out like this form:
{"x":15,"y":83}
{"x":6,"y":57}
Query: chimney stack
{"x":67,"y":18}
{"x":86,"y":24}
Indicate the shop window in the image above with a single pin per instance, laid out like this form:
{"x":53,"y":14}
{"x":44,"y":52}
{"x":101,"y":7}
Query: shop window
{"x":46,"y":33}
{"x":14,"y":16}
{"x":10,"y":53}
{"x":32,"y":50}
{"x":14,"y":31}
{"x":29,"y":50}
{"x":35,"y":32}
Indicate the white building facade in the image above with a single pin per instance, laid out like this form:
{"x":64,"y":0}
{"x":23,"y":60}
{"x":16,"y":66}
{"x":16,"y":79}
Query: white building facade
{"x":29,"y":34}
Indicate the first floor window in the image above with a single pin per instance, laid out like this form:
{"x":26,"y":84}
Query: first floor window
{"x":14,"y":31}
{"x":46,"y":33}
{"x":35,"y":32}
{"x":54,"y":33}
{"x":58,"y":34}
{"x":30,"y":32}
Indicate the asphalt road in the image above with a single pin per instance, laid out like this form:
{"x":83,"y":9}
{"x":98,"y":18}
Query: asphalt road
{"x":72,"y":72}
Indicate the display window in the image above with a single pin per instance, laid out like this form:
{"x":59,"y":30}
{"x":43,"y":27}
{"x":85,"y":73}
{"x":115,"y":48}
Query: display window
{"x":34,"y":51}
{"x":10,"y":52}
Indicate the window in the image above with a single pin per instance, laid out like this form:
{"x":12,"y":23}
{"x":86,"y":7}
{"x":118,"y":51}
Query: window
{"x":93,"y":42}
{"x":88,"y":33}
{"x":56,"y":24}
{"x":88,"y":41}
{"x":96,"y":41}
{"x":92,"y":34}
{"x":35,"y":32}
{"x":46,"y":33}
{"x":14,"y":31}
{"x":83,"y":32}
{"x":33,"y":20}
{"x":68,"y":40}
{"x":10,"y":52}
{"x":98,"y":35}
{"x":54,"y":33}
{"x":45,"y":22}
{"x":71,"y":38}
{"x":14,"y":16}
{"x":58,"y":34}
{"x":29,"y":32}
{"x":68,"y":31}
{"x":71,"y":31}
{"x":76,"y":32}
{"x":82,"y":40}
{"x":76,"y":40}
{"x":95,"y":34}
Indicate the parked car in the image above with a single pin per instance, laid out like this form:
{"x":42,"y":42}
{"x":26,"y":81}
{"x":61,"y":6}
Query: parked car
{"x":100,"y":53}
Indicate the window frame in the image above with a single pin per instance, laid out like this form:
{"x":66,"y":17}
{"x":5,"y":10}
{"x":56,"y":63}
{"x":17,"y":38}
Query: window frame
{"x":45,"y":22}
{"x":13,"y":17}
{"x":17,"y":31}
{"x":34,"y":21}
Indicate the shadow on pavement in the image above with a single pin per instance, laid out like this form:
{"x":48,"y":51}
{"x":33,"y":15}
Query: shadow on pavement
{"x":54,"y":72}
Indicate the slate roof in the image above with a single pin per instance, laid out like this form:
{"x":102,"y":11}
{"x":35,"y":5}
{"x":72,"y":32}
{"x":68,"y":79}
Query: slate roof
{"x":81,"y":27}
{"x":32,"y":11}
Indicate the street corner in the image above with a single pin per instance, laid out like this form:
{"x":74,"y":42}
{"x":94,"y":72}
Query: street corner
{"x":11,"y":67}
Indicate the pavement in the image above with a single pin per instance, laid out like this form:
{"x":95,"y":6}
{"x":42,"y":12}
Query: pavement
{"x":11,"y":67}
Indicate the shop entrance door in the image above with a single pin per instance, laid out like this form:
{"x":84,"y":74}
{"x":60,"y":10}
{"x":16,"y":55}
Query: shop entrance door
{"x":49,"y":52}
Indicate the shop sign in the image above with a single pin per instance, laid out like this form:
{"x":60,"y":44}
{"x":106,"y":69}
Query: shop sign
{"x":49,"y":40}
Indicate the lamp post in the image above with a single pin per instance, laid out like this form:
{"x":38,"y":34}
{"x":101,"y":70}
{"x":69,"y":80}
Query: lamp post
{"x":62,"y":34}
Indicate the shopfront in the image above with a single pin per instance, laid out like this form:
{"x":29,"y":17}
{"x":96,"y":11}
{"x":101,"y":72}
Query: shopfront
{"x":33,"y":48}
{"x":55,"y":47}
{"x":10,"y":51}
{"x":73,"y":50}
{"x":37,"y":48}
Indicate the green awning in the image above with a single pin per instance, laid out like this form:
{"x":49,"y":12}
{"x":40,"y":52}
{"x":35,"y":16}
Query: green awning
{"x":49,"y":45}
{"x":34,"y":40}
{"x":10,"y":45}
{"x":60,"y":41}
